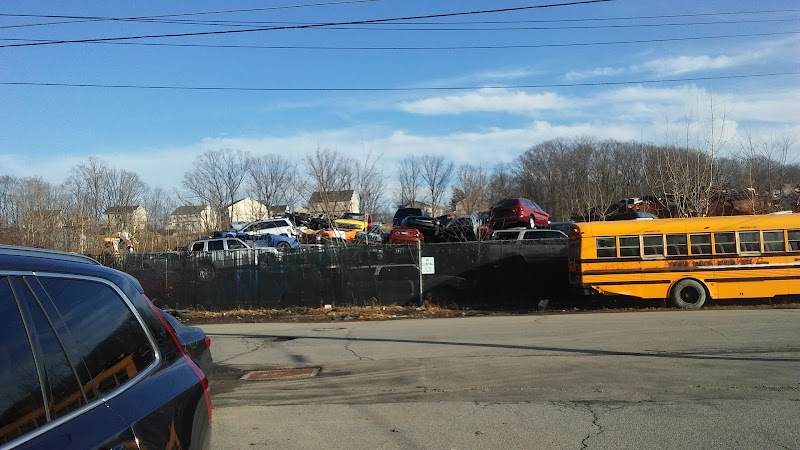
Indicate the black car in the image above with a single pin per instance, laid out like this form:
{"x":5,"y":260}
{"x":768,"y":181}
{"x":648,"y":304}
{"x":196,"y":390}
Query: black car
{"x":402,"y":213}
{"x":427,"y":225}
{"x":89,"y":362}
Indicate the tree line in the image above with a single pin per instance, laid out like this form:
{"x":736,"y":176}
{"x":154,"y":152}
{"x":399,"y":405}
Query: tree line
{"x":575,"y":177}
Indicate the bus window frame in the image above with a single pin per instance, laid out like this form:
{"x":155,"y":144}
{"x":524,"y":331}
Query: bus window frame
{"x":637,"y":247}
{"x":701,"y":245}
{"x":793,"y":245}
{"x":766,"y":244}
{"x":645,"y":246}
{"x":741,"y":244}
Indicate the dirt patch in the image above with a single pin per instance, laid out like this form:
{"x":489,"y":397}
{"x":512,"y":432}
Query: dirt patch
{"x":394,"y":312}
{"x":345,"y":313}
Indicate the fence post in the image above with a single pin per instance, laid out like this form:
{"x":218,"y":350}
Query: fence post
{"x":419,"y":269}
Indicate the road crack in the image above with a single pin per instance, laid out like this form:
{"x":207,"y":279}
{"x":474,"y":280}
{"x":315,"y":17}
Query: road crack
{"x":595,"y":423}
{"x":349,"y":343}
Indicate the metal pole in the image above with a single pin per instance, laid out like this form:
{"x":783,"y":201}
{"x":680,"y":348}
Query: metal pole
{"x":419,"y":269}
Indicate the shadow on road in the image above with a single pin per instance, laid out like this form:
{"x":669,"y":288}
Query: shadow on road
{"x":578,"y":351}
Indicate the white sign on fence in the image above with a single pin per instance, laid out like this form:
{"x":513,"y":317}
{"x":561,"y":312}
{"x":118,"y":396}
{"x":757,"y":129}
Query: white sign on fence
{"x":426,"y":265}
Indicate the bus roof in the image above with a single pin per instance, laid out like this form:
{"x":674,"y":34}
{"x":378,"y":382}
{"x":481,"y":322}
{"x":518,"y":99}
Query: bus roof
{"x":689,"y":225}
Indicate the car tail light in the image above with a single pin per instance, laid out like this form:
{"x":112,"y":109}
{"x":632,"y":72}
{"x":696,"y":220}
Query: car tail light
{"x":197,"y":371}
{"x":208,"y":342}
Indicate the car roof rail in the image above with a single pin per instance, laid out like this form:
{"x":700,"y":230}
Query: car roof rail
{"x":44,"y":252}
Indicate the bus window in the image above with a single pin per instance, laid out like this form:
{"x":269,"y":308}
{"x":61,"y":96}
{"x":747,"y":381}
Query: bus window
{"x":606,"y":247}
{"x":749,"y":241}
{"x":676,"y":245}
{"x":653,"y":244}
{"x":629,"y":246}
{"x":724,"y":243}
{"x":794,"y":240}
{"x":701,"y":243}
{"x":773,"y":241}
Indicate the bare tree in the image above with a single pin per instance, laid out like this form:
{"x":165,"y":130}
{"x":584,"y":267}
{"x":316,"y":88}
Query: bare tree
{"x":42,"y":218}
{"x":502,"y":183}
{"x":270,"y":179}
{"x":410,"y":179}
{"x":470,"y":191}
{"x":88,"y":184}
{"x":8,"y":207}
{"x":765,"y":164}
{"x":124,"y":188}
{"x":330,"y":173}
{"x":436,"y":175}
{"x":369,"y":183}
{"x":216,"y":179}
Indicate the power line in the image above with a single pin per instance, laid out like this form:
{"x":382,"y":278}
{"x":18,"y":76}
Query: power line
{"x":399,"y":89}
{"x":155,"y":19}
{"x":567,"y":27}
{"x":453,"y":47}
{"x":81,"y":19}
{"x":316,"y":25}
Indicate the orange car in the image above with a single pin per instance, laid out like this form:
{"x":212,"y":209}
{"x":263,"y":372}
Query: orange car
{"x":405,"y":235}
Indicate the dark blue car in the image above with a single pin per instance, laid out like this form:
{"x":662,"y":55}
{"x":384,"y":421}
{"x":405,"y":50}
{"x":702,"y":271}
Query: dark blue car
{"x":89,"y":362}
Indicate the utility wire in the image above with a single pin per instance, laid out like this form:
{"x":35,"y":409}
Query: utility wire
{"x":498,"y":28}
{"x":453,"y":47}
{"x":155,"y":19}
{"x":81,"y":19}
{"x":399,"y":89}
{"x":316,"y":25}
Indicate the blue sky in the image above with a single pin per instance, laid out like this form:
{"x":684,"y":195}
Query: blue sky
{"x":490,"y":114}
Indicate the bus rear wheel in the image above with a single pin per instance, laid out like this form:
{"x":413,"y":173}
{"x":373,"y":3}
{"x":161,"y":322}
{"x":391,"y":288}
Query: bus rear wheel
{"x":688,"y":294}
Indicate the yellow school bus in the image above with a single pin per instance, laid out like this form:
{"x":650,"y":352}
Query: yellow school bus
{"x":689,"y":260}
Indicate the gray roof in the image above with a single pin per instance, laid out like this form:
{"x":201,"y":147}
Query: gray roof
{"x":332,"y":196}
{"x":188,"y":210}
{"x":121,"y":209}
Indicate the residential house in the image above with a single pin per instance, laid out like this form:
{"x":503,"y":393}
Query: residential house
{"x":245,"y":210}
{"x":192,"y":219}
{"x":277,"y":210}
{"x":333,"y":203}
{"x":130,"y":218}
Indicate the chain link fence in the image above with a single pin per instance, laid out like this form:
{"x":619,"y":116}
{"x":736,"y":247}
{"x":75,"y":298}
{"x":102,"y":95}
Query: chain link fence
{"x":505,"y":274}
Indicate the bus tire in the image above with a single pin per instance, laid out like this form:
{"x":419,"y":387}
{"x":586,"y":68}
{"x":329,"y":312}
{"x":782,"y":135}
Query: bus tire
{"x":688,"y":294}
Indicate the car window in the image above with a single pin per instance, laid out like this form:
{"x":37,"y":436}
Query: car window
{"x":234,"y":244}
{"x":507,"y":236}
{"x":507,"y":203}
{"x":271,"y":224}
{"x":20,"y":391}
{"x":112,"y":353}
{"x":61,"y":387}
{"x":197,"y":247}
{"x":215,"y":245}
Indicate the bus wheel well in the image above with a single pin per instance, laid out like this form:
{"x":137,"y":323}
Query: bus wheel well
{"x":688,"y":293}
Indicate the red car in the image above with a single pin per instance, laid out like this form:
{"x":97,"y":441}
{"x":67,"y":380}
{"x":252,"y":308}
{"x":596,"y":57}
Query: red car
{"x":511,"y":212}
{"x":405,"y":235}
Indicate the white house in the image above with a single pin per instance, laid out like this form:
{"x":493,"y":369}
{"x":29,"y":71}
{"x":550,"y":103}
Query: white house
{"x":333,"y":203}
{"x":192,"y":219}
{"x":131,"y":218}
{"x":245,"y":210}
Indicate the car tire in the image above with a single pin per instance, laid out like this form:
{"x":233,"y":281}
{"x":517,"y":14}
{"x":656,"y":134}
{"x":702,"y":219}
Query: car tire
{"x":283,"y":246}
{"x":688,"y":294}
{"x":206,"y":272}
{"x":531,"y":223}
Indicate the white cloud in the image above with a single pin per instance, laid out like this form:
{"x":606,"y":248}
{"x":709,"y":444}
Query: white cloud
{"x":626,"y":113}
{"x":575,"y":75}
{"x":486,"y":100}
{"x":685,"y":64}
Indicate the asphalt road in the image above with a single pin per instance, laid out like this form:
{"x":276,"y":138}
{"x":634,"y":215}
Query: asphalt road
{"x":667,"y":379}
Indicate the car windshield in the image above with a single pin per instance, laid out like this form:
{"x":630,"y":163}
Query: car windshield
{"x":507,"y":203}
